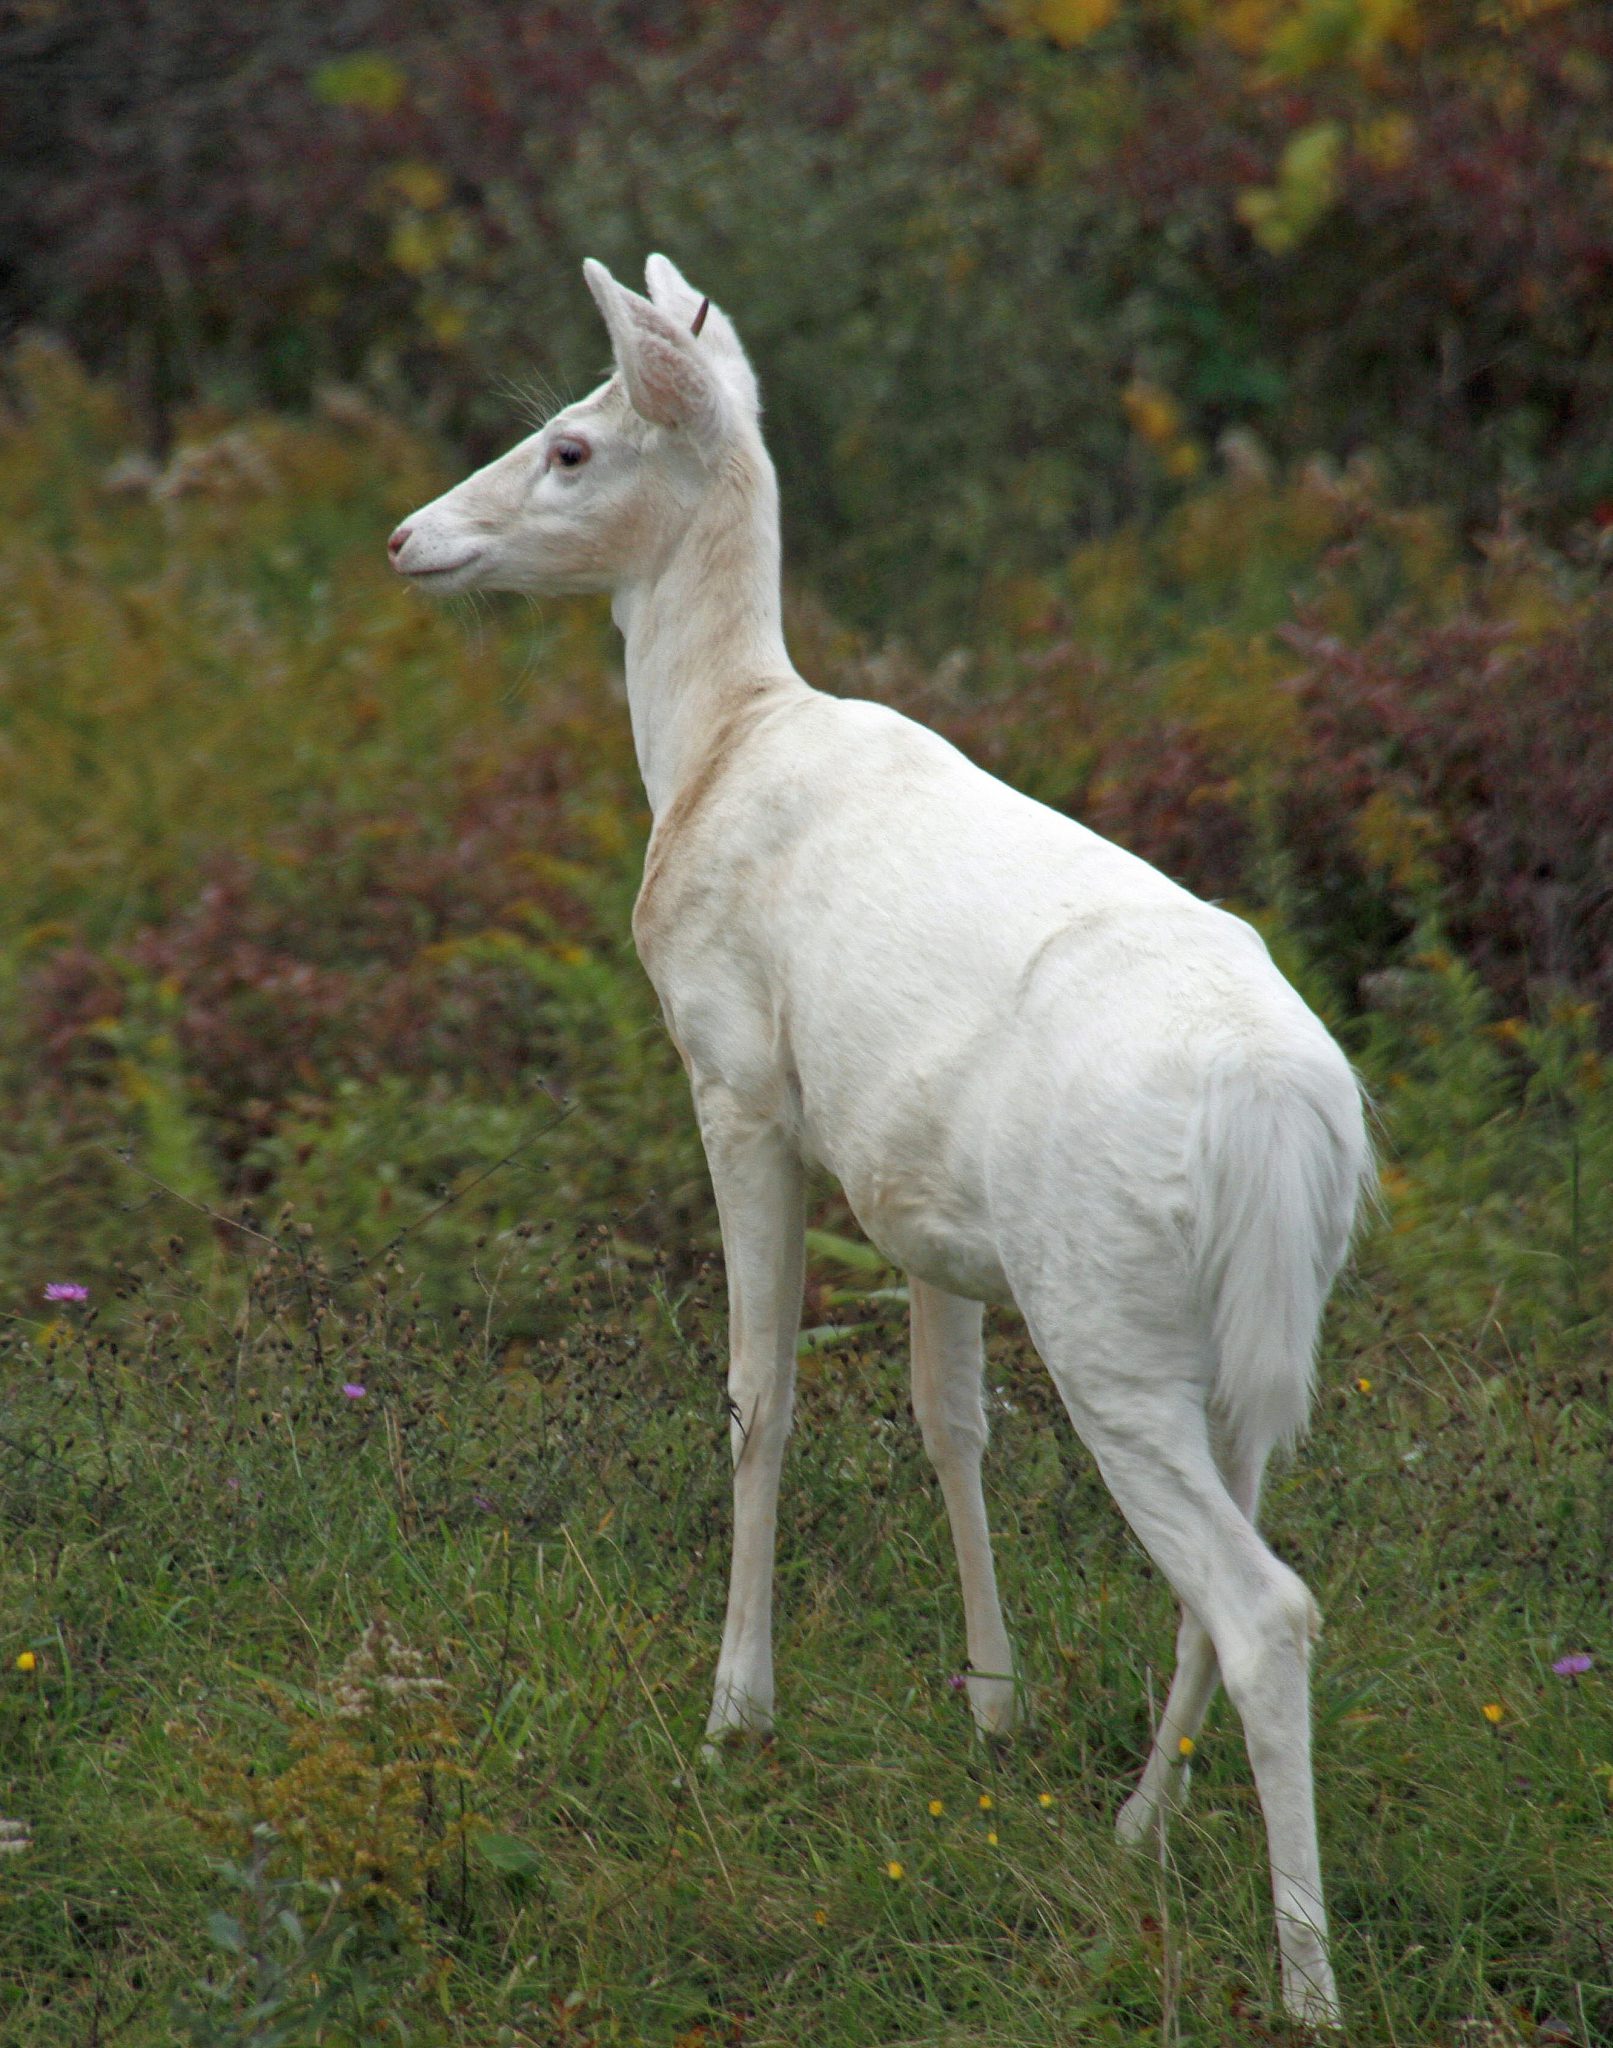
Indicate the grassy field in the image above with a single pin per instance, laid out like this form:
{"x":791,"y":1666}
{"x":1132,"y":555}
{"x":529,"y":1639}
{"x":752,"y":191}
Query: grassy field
{"x":364,"y":1527}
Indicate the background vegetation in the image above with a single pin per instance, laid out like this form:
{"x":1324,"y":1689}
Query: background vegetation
{"x":1333,"y":225}
{"x":1214,"y":400}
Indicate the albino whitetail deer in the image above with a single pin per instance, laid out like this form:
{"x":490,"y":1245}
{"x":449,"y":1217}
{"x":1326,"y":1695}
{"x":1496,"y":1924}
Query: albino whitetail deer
{"x":1042,"y":1073}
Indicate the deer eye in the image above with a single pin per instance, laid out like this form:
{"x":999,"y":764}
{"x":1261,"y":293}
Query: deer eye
{"x":569,"y":454}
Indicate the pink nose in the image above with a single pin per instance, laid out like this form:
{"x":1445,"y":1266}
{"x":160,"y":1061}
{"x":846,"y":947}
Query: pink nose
{"x":394,"y":546}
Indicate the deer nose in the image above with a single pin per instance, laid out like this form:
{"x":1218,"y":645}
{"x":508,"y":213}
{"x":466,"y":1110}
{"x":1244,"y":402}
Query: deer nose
{"x":394,"y":546}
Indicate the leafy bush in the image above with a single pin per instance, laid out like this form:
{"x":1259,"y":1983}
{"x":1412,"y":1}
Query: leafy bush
{"x":1011,"y":273}
{"x":1474,"y":759}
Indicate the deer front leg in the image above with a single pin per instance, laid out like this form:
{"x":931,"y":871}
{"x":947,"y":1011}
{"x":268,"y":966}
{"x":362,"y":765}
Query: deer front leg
{"x":758,"y":1180}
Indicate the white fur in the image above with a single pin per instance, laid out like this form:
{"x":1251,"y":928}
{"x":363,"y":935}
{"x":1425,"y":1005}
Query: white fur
{"x":1042,"y":1073}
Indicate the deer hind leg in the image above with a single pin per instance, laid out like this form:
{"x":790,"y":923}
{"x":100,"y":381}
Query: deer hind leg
{"x":1164,"y":1782}
{"x":758,"y":1181}
{"x":1167,"y":1774}
{"x":1138,"y":1400}
{"x":948,"y":1400}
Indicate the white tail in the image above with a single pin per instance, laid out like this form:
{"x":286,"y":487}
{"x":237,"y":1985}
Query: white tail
{"x":1042,"y":1072}
{"x":1279,"y":1175}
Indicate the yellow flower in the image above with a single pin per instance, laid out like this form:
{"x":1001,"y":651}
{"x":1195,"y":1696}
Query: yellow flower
{"x":1363,"y":1386}
{"x":992,"y":1838}
{"x":936,"y":1809}
{"x":894,"y":1870}
{"x":1186,"y":1746}
{"x":1493,"y":1711}
{"x":27,"y":1661}
{"x":820,"y":1918}
{"x":986,"y":1802}
{"x":1044,"y":1799}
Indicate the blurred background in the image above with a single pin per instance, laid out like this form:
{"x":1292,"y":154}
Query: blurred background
{"x":1201,"y":411}
{"x":1016,"y":273}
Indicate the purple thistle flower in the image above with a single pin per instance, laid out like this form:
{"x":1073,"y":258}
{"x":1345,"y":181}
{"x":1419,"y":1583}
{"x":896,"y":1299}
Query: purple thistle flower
{"x":66,"y":1290}
{"x":1574,"y":1665}
{"x":353,"y":1390}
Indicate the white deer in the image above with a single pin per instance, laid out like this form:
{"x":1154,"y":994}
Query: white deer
{"x":1042,"y":1073}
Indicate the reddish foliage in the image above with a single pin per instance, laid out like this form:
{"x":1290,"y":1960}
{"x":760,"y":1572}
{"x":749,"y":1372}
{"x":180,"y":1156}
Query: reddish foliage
{"x":69,"y":993}
{"x":329,"y":955}
{"x":1453,"y":293}
{"x":1503,"y":742}
{"x":1166,"y":797}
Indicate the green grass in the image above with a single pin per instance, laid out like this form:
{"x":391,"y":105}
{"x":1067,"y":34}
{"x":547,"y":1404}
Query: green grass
{"x":198,"y":1525}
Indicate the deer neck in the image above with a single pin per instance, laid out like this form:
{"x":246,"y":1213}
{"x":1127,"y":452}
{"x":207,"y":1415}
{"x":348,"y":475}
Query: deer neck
{"x":704,"y":634}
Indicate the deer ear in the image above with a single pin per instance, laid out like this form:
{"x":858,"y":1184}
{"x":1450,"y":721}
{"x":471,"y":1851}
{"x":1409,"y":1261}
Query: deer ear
{"x":668,"y":382}
{"x":671,"y":291}
{"x":672,"y":294}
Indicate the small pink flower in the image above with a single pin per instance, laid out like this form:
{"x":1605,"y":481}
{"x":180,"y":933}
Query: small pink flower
{"x":353,"y":1390}
{"x":66,"y":1290}
{"x":956,"y":1682}
{"x":1574,"y":1665}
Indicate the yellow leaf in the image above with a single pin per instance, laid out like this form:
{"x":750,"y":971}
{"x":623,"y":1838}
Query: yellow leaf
{"x":1072,"y":22}
{"x":422,"y":185}
{"x":1183,"y":458}
{"x":1387,"y":141}
{"x":1153,"y":413}
{"x":1245,"y":24}
{"x":1281,"y":216}
{"x":366,"y":79}
{"x":448,"y":324}
{"x":420,"y":242}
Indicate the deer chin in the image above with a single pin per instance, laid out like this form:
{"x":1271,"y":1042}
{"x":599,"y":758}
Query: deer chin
{"x":445,"y":577}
